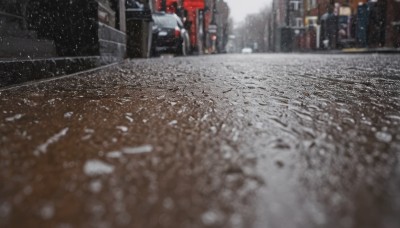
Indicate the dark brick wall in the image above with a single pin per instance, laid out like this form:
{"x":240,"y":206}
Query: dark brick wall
{"x":393,"y":25}
{"x":16,"y":72}
{"x":48,"y":38}
{"x":71,"y":24}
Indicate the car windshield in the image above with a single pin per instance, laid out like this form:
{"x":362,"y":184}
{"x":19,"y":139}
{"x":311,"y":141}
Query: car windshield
{"x":165,"y":21}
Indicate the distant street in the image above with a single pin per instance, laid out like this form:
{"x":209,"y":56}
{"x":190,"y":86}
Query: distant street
{"x":263,"y":141}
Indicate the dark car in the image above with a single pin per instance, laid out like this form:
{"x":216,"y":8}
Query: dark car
{"x":169,"y":35}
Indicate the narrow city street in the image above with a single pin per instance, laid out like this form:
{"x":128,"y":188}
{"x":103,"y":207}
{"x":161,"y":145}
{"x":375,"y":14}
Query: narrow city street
{"x":263,"y":141}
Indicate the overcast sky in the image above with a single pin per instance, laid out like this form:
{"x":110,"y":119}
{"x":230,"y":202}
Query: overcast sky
{"x":240,"y":8}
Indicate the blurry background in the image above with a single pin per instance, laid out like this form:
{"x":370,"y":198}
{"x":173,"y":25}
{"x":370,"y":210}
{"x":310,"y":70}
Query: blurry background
{"x":40,"y":39}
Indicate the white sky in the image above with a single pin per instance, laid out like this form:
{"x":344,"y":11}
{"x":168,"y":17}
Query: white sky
{"x":240,"y":8}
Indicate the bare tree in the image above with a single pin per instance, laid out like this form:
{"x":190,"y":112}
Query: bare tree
{"x":253,"y":32}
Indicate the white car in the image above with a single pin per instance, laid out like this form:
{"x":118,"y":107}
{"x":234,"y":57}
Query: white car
{"x":247,"y":51}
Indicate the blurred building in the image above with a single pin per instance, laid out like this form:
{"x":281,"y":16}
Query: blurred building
{"x":287,"y":24}
{"x":392,"y":28}
{"x":223,"y":25}
{"x":308,"y":25}
{"x":216,"y":26}
{"x":279,"y":12}
{"x":206,"y":20}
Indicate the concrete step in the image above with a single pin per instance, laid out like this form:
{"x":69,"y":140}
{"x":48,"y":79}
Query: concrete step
{"x":22,"y":48}
{"x":19,"y":71}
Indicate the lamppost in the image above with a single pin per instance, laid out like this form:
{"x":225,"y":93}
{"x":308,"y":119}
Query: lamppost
{"x":212,"y":28}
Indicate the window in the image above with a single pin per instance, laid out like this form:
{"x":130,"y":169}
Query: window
{"x":312,"y":21}
{"x":314,"y":4}
{"x":295,"y":5}
{"x":299,"y":22}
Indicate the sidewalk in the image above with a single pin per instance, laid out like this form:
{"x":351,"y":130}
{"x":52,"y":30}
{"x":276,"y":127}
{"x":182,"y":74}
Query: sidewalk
{"x":370,"y":50}
{"x":355,"y":51}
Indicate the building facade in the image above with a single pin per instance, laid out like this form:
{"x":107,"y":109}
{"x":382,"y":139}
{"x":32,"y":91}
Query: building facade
{"x":335,"y":24}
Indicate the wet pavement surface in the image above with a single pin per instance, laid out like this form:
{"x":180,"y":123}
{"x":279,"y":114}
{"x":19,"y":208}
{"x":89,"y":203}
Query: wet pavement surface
{"x":210,"y":141}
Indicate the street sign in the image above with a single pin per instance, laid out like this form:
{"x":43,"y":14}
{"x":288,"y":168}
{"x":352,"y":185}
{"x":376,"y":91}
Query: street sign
{"x":212,"y":28}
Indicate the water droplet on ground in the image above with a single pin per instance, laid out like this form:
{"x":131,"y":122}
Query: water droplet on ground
{"x":122,"y":128}
{"x":114,"y":154}
{"x":383,"y":136}
{"x":95,"y":186}
{"x":138,"y":150}
{"x":96,"y":167}
{"x":168,"y":203}
{"x":47,"y":211}
{"x":88,"y":130}
{"x":210,"y":218}
{"x":28,"y":190}
{"x":68,"y":114}
{"x":173,"y":123}
{"x":14,"y":118}
{"x":41,"y":149}
{"x":130,"y":119}
{"x":5,"y":209}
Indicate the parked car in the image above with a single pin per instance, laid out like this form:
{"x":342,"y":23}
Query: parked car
{"x":169,"y":35}
{"x":247,"y":51}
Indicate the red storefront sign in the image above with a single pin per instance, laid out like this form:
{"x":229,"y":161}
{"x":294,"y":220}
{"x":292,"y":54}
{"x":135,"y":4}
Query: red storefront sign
{"x":193,"y":4}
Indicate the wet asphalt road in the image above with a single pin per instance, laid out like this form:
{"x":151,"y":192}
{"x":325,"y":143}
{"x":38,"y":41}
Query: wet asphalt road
{"x":212,"y":141}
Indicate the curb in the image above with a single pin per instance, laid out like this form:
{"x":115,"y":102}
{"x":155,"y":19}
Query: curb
{"x":17,"y":71}
{"x":35,"y":82}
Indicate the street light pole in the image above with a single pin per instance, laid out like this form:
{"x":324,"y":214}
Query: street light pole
{"x":214,"y":25}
